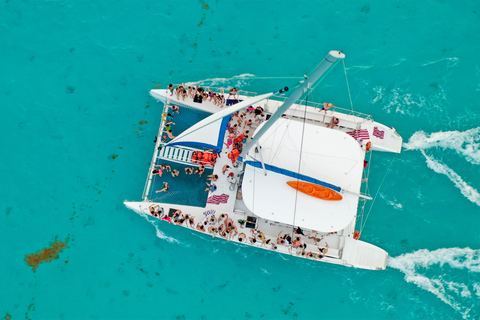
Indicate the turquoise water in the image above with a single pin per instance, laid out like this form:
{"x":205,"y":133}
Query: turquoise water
{"x":74,"y":85}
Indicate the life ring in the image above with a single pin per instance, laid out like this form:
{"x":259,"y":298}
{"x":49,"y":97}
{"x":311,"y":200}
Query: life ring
{"x":356,"y":235}
{"x":368,"y":146}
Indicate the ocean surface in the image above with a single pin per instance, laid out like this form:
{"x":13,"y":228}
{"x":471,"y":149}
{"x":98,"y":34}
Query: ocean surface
{"x":77,"y":128}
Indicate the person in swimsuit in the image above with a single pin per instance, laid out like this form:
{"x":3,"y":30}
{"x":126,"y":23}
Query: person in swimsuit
{"x":200,"y":170}
{"x":222,"y":216}
{"x":154,"y":209}
{"x":157,"y":171}
{"x":175,"y":109}
{"x":242,"y":237}
{"x":213,"y":177}
{"x":189,"y":170}
{"x":213,"y":231}
{"x":225,"y":168}
{"x":175,"y":173}
{"x":333,"y":122}
{"x":170,"y":88}
{"x":326,"y":106}
{"x":169,"y":133}
{"x":165,"y":188}
{"x":211,"y":187}
{"x":200,"y":227}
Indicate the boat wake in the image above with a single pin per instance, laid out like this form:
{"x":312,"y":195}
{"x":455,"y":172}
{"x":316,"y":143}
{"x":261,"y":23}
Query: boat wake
{"x":444,"y":272}
{"x":235,"y":81}
{"x":398,"y":100}
{"x":469,"y":192}
{"x":466,"y":144}
{"x":159,"y":232}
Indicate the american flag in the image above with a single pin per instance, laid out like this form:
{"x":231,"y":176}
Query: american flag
{"x":361,"y":134}
{"x":377,"y":133}
{"x":223,"y":198}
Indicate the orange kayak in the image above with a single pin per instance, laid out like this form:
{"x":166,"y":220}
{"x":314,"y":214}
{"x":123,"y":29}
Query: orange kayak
{"x":314,"y":190}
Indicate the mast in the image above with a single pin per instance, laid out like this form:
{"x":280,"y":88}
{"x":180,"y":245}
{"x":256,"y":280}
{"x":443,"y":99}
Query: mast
{"x":317,"y":75}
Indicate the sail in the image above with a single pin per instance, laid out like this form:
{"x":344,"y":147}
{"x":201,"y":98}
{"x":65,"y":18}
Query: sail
{"x":210,"y":132}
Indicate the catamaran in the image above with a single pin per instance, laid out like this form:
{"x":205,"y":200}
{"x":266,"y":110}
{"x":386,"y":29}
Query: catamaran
{"x":286,"y":175}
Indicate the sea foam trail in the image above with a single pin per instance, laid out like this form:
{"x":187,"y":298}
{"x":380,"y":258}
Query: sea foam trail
{"x":159,"y":233}
{"x":466,"y":143}
{"x":469,"y":192}
{"x":450,"y":266}
{"x":235,"y":81}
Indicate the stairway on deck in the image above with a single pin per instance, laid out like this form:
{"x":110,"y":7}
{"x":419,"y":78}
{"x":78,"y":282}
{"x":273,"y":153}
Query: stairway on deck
{"x":177,"y":154}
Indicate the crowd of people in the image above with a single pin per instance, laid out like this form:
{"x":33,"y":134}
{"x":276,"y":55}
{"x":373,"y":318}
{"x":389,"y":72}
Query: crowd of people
{"x":226,"y":228}
{"x":198,"y":94}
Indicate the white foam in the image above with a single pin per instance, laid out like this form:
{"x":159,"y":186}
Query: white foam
{"x":159,"y":233}
{"x":397,"y":100}
{"x":469,"y":192}
{"x":394,"y":203}
{"x":451,"y":62}
{"x":416,"y":265}
{"x":466,"y":143}
{"x":235,"y":81}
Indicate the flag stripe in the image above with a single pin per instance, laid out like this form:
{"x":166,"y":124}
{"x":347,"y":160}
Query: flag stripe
{"x":218,"y":199}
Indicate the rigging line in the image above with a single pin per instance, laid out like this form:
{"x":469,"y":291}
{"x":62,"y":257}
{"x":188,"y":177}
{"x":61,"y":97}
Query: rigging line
{"x":375,"y":198}
{"x":348,"y":86}
{"x":300,"y":161}
{"x":367,"y":190}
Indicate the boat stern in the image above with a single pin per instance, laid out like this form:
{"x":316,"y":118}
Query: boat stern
{"x":363,"y":255}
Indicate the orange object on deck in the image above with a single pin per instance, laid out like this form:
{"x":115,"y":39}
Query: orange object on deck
{"x":314,"y":190}
{"x":356,"y":235}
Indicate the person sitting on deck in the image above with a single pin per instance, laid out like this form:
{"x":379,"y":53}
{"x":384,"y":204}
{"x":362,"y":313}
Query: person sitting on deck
{"x":225,"y":168}
{"x":211,"y":187}
{"x":213,"y":177}
{"x":315,"y":239}
{"x":242,"y":237}
{"x":170,"y":88}
{"x":298,"y":230}
{"x":213,"y":231}
{"x":189,"y":170}
{"x":263,"y":238}
{"x":200,"y":170}
{"x":165,"y":188}
{"x":333,"y":122}
{"x":200,"y":227}
{"x":222,"y":216}
{"x":176,"y":214}
{"x":323,"y":251}
{"x":212,"y":221}
{"x":154,"y":210}
{"x":191,"y":220}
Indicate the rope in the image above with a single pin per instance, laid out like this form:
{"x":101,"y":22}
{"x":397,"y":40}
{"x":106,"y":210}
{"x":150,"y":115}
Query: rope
{"x":348,"y":86}
{"x":375,"y":198}
{"x":300,"y":161}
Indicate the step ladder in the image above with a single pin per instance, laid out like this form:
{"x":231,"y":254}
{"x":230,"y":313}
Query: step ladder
{"x":178,"y":154}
